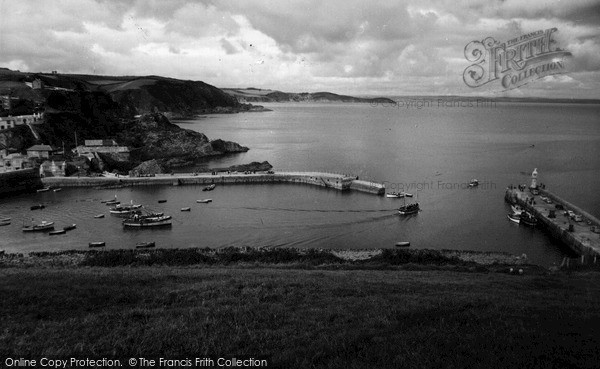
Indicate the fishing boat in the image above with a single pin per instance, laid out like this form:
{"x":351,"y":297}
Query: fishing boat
{"x":45,"y":189}
{"x":144,"y":245}
{"x":98,"y":216}
{"x":474,"y":183}
{"x":144,"y":222}
{"x":97,"y":244}
{"x":403,"y":244}
{"x":514,"y":217}
{"x":209,"y":188}
{"x":70,"y":227}
{"x":394,"y":195}
{"x":516,"y":209}
{"x":57,"y":232}
{"x":186,"y":209}
{"x":41,"y":227}
{"x":124,"y":209}
{"x":204,"y":201}
{"x":409,"y":209}
{"x":528,"y":219}
{"x":37,"y":207}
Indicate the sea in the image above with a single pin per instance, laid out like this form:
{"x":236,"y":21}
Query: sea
{"x":431,"y":150}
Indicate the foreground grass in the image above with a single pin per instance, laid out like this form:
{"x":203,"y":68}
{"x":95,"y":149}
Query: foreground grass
{"x":304,"y":318}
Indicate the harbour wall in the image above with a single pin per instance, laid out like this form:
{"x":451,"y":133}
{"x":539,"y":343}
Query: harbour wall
{"x":338,"y":182}
{"x":580,"y":239}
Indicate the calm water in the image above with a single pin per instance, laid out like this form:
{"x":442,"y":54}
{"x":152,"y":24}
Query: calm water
{"x":431,"y":152}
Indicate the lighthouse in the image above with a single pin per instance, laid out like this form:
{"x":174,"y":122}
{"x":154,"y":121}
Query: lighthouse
{"x":534,"y":186}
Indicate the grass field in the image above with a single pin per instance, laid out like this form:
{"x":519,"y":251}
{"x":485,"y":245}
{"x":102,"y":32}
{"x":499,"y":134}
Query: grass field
{"x":307,"y":317}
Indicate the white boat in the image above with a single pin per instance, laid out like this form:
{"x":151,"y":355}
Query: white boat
{"x":394,"y":195}
{"x":41,"y":227}
{"x":514,"y":217}
{"x":406,"y":194}
{"x":186,"y":209}
{"x":124,"y":209}
{"x":516,"y":209}
{"x":97,"y":244}
{"x":45,"y":189}
{"x":204,"y":201}
{"x":143,"y":222}
{"x":403,"y":244}
{"x":57,"y":189}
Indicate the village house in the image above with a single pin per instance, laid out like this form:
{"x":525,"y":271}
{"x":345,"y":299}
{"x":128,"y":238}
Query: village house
{"x":39,"y":151}
{"x":52,"y":169}
{"x":14,"y":162}
{"x":11,"y":122}
{"x":93,"y":147}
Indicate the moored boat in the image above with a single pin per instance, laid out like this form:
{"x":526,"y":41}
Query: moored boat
{"x":474,"y":183}
{"x":516,"y":209}
{"x":98,"y":216}
{"x":97,"y":244}
{"x":144,"y":245}
{"x":186,"y":209}
{"x":409,"y":209}
{"x":162,"y":201}
{"x":406,"y":194}
{"x":70,"y":227}
{"x":45,"y":189}
{"x":125,"y":209}
{"x":394,"y":195}
{"x":57,"y":232}
{"x":57,"y":189}
{"x":4,"y":223}
{"x":144,"y":222}
{"x":5,"y":219}
{"x":41,"y":227}
{"x":209,"y":188}
{"x":204,"y":201}
{"x":403,"y":244}
{"x":514,"y":217}
{"x":112,"y":202}
{"x":37,"y":207}
{"x":528,"y":219}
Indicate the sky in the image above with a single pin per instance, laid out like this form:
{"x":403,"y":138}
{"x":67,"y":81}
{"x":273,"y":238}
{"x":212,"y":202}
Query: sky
{"x":386,"y":48}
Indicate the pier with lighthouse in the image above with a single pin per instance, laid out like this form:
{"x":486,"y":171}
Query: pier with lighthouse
{"x":567,"y":222}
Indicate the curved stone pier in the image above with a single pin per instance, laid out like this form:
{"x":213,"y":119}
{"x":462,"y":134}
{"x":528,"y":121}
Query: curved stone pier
{"x":335,"y":181}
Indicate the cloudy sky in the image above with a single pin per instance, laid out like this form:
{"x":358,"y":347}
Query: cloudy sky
{"x":343,"y":46}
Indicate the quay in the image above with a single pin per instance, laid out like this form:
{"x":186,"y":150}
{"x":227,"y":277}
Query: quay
{"x":329,"y":180}
{"x":581,"y":237}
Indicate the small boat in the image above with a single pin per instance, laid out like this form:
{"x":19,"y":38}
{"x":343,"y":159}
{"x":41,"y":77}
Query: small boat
{"x":186,"y":209}
{"x":4,"y":223}
{"x":516,"y":209}
{"x":162,"y":201}
{"x":57,"y":189}
{"x":97,"y":244}
{"x":4,"y":219}
{"x":406,"y":194}
{"x":124,"y":209}
{"x":409,"y":209}
{"x":99,"y":216}
{"x":57,"y":232}
{"x":514,"y":217}
{"x":70,"y":227}
{"x":204,"y":201}
{"x":37,"y":207}
{"x":41,"y":227}
{"x":474,"y":183}
{"x":143,"y":222}
{"x":403,"y":244}
{"x":209,"y":188}
{"x":528,"y":219}
{"x":112,"y":202}
{"x":45,"y":189}
{"x":144,"y":245}
{"x":394,"y":195}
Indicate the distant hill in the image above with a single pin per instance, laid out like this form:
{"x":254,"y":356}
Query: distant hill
{"x":251,"y":94}
{"x":138,"y":95}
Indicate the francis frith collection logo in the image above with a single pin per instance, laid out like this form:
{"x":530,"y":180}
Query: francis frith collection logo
{"x":515,"y":62}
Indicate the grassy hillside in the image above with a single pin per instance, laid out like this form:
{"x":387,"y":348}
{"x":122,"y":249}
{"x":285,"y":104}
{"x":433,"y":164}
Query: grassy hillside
{"x":311,"y":312}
